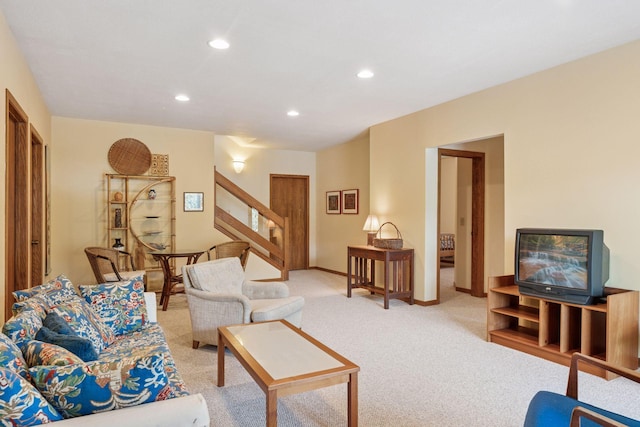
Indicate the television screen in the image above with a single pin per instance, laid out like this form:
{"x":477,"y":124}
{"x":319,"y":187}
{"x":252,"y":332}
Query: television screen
{"x":556,"y":260}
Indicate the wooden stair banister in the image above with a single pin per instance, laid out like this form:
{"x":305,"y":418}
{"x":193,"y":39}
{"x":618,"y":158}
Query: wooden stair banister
{"x":235,"y":229}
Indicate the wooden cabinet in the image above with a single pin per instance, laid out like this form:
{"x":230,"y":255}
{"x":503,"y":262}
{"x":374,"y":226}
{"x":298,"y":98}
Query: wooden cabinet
{"x":141,"y":215}
{"x":555,"y":330}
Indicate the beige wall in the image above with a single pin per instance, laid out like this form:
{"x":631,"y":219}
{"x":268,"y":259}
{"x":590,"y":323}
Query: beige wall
{"x":342,"y":167}
{"x":448,"y":192}
{"x":570,"y":157}
{"x":16,"y":77}
{"x":78,"y":189}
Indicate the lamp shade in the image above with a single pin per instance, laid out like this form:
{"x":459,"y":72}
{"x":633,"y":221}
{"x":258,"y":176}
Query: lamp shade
{"x":371,"y":224}
{"x":238,"y":166}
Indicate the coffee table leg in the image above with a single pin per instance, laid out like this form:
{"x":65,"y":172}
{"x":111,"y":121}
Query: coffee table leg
{"x":352,"y":400}
{"x":220,"y":360}
{"x":272,"y":409}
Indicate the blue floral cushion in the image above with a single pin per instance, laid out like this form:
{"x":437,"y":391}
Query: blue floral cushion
{"x":21,"y":404}
{"x":36,"y":302}
{"x":42,"y":353}
{"x":121,"y":305}
{"x":99,"y":386}
{"x":55,"y":291}
{"x":11,"y":357}
{"x":85,"y":322}
{"x":23,"y":327}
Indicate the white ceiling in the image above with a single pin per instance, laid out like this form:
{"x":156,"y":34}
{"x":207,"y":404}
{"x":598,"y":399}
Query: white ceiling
{"x":125,"y":60}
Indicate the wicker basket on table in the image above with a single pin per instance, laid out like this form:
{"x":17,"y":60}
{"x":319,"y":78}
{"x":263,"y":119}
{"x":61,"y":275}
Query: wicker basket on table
{"x":388,"y":243}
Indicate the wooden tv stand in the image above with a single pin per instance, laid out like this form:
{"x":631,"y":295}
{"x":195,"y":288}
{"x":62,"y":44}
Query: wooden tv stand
{"x":555,"y":330}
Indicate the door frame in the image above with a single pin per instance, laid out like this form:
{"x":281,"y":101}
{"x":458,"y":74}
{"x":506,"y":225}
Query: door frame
{"x":38,"y":237}
{"x":477,"y":216}
{"x":17,"y":201}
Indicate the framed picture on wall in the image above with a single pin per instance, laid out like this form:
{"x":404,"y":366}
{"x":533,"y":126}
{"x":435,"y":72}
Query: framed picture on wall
{"x":193,"y":202}
{"x":350,"y":201}
{"x":333,"y":202}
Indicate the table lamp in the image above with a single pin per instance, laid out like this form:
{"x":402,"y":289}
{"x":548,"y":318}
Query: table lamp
{"x":371,"y":226}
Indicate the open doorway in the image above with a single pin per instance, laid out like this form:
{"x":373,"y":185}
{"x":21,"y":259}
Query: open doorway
{"x":461,"y":226}
{"x":492,"y":251}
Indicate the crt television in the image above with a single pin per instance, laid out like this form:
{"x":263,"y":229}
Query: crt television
{"x":564,"y":265}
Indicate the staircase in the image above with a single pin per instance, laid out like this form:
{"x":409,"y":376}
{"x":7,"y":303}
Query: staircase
{"x":239,"y":216}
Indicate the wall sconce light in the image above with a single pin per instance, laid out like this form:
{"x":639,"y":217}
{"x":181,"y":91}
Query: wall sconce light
{"x":371,"y":226}
{"x":238,"y":166}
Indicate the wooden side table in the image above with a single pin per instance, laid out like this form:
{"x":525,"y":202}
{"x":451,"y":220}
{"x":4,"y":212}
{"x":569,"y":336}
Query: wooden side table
{"x":398,"y":272}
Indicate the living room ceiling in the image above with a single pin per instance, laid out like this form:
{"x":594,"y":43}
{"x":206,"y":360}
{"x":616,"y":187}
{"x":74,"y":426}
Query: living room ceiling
{"x":125,"y":61}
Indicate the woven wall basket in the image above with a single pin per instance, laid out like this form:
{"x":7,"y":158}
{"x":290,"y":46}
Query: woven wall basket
{"x":388,"y":243}
{"x":129,"y":156}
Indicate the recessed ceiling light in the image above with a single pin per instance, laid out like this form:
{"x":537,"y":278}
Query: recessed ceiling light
{"x":365,"y":74}
{"x":292,"y":113}
{"x":182,"y":98}
{"x":219,"y":44}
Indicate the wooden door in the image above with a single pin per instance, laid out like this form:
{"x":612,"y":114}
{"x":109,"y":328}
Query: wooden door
{"x":17,"y":202}
{"x":37,"y":208}
{"x":289,"y":197}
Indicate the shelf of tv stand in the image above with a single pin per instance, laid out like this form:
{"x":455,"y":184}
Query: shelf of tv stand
{"x":554,"y":330}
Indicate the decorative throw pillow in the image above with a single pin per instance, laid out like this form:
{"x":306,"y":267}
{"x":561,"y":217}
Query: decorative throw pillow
{"x":85,"y":322}
{"x":121,"y":305}
{"x":11,"y":357}
{"x":43,"y":353}
{"x":38,"y":303}
{"x":55,"y":291}
{"x":99,"y":386}
{"x":56,"y":323}
{"x":23,"y":327}
{"x":81,"y":347}
{"x":21,"y":404}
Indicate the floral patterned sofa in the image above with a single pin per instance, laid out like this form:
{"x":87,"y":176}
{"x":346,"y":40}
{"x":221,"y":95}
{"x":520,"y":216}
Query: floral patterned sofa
{"x":67,"y":354}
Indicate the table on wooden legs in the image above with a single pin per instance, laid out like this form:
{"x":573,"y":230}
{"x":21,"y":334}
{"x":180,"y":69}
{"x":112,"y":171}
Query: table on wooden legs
{"x":164,"y":257}
{"x":284,"y":360}
{"x":398,"y":271}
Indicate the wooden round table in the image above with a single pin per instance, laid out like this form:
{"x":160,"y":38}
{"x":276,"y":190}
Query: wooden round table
{"x":170,"y":280}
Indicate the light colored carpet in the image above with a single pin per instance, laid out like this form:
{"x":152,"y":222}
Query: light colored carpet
{"x":420,"y":366}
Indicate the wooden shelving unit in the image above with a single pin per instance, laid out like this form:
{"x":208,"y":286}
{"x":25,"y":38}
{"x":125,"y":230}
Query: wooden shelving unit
{"x":146,"y":223}
{"x":555,"y":330}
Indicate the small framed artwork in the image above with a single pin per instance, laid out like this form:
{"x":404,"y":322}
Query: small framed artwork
{"x":333,"y":202}
{"x":350,"y":201}
{"x":193,"y":202}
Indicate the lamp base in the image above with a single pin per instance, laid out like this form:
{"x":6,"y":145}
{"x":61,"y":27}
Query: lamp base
{"x":370,"y":236}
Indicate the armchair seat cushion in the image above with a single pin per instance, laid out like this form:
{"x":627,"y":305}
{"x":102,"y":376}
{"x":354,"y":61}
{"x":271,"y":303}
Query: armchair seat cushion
{"x":548,"y":409}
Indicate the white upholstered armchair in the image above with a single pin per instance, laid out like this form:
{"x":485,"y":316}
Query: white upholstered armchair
{"x":219,"y":295}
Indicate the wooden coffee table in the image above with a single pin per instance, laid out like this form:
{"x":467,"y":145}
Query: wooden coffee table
{"x":283,"y":360}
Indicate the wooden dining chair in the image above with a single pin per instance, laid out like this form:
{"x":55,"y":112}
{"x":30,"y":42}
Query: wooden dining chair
{"x":233,"y":248}
{"x":105,"y":264}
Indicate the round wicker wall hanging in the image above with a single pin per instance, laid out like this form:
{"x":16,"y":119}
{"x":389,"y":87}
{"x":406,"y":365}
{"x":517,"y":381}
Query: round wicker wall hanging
{"x":129,"y":156}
